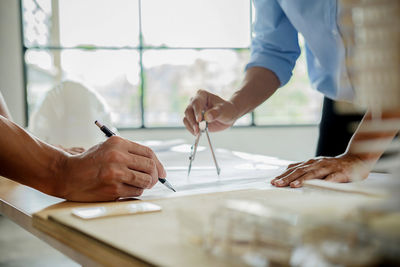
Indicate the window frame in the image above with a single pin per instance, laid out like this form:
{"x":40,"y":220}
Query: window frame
{"x":141,"y":48}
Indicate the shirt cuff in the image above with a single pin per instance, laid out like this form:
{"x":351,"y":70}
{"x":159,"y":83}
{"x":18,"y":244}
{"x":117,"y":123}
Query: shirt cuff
{"x":278,"y":65}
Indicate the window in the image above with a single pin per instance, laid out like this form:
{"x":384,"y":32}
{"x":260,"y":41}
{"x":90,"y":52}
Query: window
{"x":147,"y":58}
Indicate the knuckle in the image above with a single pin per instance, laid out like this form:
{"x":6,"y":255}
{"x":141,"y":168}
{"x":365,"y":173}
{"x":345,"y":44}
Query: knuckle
{"x":313,"y":173}
{"x":134,"y":177}
{"x":113,"y":140}
{"x":149,"y":181}
{"x":201,"y":92}
{"x":135,"y":160}
{"x":148,"y":152}
{"x":152,"y":166}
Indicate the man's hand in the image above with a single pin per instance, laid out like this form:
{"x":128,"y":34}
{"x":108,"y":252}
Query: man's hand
{"x":340,"y":169}
{"x":258,"y":85}
{"x":219,"y":113}
{"x":115,"y":168}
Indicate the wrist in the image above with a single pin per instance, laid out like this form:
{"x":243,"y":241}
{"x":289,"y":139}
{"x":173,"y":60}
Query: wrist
{"x":237,"y":111}
{"x":365,"y":161}
{"x":240,"y":103}
{"x":60,"y":173}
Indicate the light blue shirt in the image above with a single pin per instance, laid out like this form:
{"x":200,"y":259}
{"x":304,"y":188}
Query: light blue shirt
{"x":275,"y":43}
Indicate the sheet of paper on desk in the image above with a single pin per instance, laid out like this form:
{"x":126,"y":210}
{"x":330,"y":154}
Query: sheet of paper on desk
{"x":238,"y":171}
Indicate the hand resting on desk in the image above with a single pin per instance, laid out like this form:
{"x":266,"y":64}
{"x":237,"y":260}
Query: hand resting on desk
{"x":340,"y":169}
{"x":354,"y":164}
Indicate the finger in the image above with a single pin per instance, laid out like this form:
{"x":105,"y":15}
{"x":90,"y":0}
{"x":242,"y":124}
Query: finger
{"x":189,"y":115}
{"x":287,"y":172}
{"x":317,"y":173}
{"x":293,"y":175}
{"x":137,"y":149}
{"x":298,"y":167}
{"x":143,"y":164}
{"x":198,"y":107}
{"x":129,"y":191}
{"x":337,"y":177}
{"x":139,"y":179}
{"x":199,"y":104}
{"x":188,"y":126}
{"x":308,"y":162}
{"x":290,"y":166}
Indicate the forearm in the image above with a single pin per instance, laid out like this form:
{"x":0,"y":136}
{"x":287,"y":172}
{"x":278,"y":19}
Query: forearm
{"x":258,"y":85}
{"x":360,"y":144}
{"x":27,"y":160}
{"x":3,"y":108}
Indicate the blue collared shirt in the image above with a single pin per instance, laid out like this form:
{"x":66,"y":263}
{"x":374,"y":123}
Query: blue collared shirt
{"x":275,"y":43}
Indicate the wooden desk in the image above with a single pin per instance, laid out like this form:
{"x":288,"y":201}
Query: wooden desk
{"x":19,"y":203}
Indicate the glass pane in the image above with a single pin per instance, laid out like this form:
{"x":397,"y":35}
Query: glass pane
{"x":295,"y":103}
{"x":193,"y":23}
{"x":99,"y":22}
{"x":172,"y":77}
{"x":113,"y":74}
{"x":40,"y":76}
{"x":36,"y":22}
{"x":81,"y":23}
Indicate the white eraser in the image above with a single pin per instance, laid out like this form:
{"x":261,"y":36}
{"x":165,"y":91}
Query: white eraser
{"x":115,"y":210}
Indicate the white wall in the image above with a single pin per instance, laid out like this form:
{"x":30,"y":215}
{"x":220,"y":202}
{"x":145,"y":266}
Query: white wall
{"x":294,"y":143}
{"x":11,"y":82}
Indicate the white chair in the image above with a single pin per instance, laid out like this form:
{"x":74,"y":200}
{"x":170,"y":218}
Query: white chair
{"x":67,"y":114}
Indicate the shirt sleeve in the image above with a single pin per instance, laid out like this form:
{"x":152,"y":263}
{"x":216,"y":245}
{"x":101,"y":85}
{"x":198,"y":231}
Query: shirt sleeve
{"x":275,"y":42}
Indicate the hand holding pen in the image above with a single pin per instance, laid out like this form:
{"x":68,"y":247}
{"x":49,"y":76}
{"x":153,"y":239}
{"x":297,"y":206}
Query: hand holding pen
{"x":148,"y":153}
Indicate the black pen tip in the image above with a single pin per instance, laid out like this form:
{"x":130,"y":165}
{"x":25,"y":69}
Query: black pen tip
{"x":98,"y":124}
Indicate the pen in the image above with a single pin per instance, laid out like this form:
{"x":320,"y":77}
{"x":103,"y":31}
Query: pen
{"x":109,"y":133}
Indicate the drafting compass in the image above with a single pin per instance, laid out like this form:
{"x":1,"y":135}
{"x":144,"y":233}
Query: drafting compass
{"x":203,"y":127}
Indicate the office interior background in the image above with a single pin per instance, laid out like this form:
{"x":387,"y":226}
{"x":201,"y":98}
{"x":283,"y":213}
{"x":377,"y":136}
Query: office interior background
{"x":146,"y":59}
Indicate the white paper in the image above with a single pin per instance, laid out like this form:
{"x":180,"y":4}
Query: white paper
{"x":238,"y":171}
